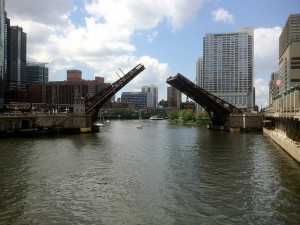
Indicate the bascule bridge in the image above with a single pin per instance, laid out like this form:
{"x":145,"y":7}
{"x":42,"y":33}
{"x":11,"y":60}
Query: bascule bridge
{"x":222,"y":113}
{"x":94,"y":104}
{"x":82,"y":118}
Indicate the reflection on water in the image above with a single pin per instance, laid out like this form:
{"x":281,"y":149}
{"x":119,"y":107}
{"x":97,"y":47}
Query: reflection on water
{"x":161,"y":174}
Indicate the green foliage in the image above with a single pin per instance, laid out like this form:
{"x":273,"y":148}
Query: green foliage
{"x":203,"y":121}
{"x":201,"y":115}
{"x":173,"y":116}
{"x":127,"y":115}
{"x":294,"y":135}
{"x":179,"y":120}
{"x":188,"y":116}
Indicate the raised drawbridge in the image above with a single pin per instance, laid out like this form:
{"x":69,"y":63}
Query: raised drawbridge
{"x":218,"y":109}
{"x":94,"y":104}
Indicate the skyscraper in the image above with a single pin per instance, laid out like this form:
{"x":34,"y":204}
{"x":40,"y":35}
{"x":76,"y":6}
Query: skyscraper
{"x":273,"y":86}
{"x":14,"y":57}
{"x":199,"y":76}
{"x":174,"y":96}
{"x":228,"y":66}
{"x":153,"y":90}
{"x":2,"y":44}
{"x":36,"y":72}
{"x":289,"y":54}
{"x":199,"y":72}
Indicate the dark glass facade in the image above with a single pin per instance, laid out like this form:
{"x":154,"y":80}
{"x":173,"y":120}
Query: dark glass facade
{"x":140,"y":99}
{"x":36,"y":72}
{"x":14,"y":57}
{"x":2,"y":46}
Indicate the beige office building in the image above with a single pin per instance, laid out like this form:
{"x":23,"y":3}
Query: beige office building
{"x":289,"y":54}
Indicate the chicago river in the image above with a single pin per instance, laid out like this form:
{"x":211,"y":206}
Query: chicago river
{"x":161,"y":174}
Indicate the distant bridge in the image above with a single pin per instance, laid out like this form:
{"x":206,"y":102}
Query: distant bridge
{"x":94,"y":104}
{"x":218,"y":109}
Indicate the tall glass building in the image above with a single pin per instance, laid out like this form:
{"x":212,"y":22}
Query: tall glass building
{"x":228,"y":66}
{"x":16,"y":59}
{"x":36,"y":72}
{"x":2,"y":30}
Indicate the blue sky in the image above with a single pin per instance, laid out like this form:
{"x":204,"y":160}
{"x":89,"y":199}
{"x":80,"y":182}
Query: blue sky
{"x":100,"y":36}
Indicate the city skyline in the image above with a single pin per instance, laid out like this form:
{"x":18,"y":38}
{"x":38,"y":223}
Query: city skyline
{"x":98,"y":37}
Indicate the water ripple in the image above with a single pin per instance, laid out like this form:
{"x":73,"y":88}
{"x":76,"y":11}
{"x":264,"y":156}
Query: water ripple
{"x":162,"y":174}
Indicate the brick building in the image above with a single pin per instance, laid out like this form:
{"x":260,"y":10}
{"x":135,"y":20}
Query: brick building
{"x":64,"y":92}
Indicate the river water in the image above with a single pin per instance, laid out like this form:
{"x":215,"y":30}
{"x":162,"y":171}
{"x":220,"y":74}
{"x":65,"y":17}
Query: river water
{"x":161,"y":174}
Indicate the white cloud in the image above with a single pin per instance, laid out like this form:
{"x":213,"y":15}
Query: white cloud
{"x":181,"y":11}
{"x":266,"y":54}
{"x":266,"y":48}
{"x":52,"y":13}
{"x":261,"y":92}
{"x":155,"y":72}
{"x":103,"y":43}
{"x":152,"y":36}
{"x":222,"y":15}
{"x":145,"y":14}
{"x":261,"y":87}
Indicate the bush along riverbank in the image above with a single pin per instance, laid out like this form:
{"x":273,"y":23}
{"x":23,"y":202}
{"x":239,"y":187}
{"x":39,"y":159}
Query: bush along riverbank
{"x":190,"y":117}
{"x":131,"y":115}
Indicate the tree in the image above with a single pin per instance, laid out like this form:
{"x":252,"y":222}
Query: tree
{"x":173,"y":116}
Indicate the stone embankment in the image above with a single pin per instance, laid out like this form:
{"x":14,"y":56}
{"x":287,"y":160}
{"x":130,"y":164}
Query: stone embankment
{"x":291,"y":147}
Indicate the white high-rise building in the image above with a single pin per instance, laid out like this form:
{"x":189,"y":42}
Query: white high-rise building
{"x":199,"y":76}
{"x":153,"y":90}
{"x":228,"y":66}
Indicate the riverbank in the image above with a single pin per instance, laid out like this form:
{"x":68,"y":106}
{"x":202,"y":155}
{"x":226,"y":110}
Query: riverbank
{"x":203,"y":122}
{"x":290,"y":146}
{"x":37,"y":132}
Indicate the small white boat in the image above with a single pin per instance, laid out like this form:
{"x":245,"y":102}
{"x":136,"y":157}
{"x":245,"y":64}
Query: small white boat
{"x":155,"y":118}
{"x":99,"y":124}
{"x":139,"y":126}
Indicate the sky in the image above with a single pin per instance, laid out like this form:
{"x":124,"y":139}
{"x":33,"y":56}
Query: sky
{"x":100,"y":36}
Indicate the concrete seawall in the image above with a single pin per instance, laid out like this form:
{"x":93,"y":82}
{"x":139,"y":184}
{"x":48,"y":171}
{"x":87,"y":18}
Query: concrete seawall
{"x":283,"y":141}
{"x":27,"y":125}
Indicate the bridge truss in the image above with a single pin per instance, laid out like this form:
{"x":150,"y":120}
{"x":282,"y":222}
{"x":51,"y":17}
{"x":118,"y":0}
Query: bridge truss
{"x":94,"y":104}
{"x":218,"y":109}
